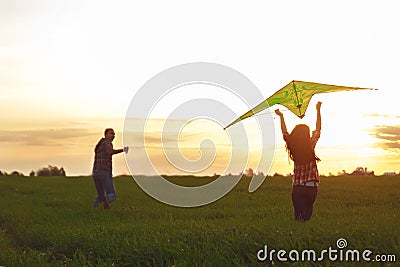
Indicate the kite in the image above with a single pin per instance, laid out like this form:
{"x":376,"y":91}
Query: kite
{"x":296,"y":96}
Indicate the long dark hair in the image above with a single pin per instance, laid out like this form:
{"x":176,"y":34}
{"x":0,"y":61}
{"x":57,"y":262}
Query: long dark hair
{"x":299,"y":147}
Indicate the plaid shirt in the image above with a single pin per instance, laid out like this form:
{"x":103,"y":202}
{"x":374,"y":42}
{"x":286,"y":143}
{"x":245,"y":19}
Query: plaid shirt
{"x":309,"y":171}
{"x":102,"y":159}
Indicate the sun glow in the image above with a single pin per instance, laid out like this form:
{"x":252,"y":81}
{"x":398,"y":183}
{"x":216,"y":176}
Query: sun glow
{"x":67,"y":74}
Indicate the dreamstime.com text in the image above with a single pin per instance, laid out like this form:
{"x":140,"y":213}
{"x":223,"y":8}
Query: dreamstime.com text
{"x":331,"y":254}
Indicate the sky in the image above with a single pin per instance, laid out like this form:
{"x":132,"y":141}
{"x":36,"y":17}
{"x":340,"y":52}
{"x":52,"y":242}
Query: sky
{"x":70,"y":69}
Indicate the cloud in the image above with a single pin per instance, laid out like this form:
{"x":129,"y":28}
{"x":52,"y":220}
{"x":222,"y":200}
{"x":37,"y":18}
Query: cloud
{"x":43,"y":137}
{"x":391,"y":133}
{"x":376,"y":115}
{"x":389,"y":137}
{"x":388,"y":145}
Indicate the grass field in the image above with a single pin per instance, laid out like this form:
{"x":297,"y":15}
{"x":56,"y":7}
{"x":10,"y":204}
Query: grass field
{"x":50,"y":221}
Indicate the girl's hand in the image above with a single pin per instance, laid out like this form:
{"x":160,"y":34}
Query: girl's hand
{"x":277,"y":111}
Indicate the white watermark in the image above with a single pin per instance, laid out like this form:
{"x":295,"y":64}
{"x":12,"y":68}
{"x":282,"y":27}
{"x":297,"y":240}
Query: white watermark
{"x":338,"y":253}
{"x":165,"y":106}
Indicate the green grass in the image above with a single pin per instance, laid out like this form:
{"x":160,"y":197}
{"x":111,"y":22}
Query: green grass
{"x":50,"y":221}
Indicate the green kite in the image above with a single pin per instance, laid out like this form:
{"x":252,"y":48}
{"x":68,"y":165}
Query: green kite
{"x":296,"y":96}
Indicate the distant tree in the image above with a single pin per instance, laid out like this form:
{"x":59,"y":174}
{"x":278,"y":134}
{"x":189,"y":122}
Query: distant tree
{"x":249,"y":172}
{"x":43,"y":172}
{"x":1,"y":174}
{"x":62,"y":172}
{"x":32,"y":173}
{"x":15,"y":173}
{"x":51,"y":171}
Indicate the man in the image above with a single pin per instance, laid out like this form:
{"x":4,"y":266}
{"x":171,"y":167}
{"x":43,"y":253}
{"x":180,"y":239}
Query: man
{"x":102,"y":169}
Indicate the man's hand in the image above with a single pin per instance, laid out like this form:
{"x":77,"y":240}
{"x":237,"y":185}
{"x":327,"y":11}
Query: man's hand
{"x":278,"y":112}
{"x":126,"y":149}
{"x":319,"y":105}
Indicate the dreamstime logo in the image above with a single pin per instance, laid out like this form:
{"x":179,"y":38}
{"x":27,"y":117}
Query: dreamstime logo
{"x":173,"y":101}
{"x":332,"y":254}
{"x":341,"y":243}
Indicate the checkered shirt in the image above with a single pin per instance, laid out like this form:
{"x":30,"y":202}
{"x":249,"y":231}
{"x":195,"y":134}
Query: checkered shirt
{"x":309,"y":171}
{"x":102,"y":159}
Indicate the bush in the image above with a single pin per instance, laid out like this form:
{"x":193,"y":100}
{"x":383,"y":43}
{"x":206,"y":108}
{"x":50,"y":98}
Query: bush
{"x":51,"y":171}
{"x":16,"y":173}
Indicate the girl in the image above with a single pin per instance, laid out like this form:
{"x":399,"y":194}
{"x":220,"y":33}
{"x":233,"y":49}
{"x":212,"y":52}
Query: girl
{"x":300,"y":147}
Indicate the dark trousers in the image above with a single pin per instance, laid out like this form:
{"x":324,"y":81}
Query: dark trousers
{"x":303,"y":198}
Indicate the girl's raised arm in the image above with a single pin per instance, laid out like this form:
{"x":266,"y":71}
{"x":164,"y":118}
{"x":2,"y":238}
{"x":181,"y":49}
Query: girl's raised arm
{"x":282,"y":119}
{"x":318,"y":124}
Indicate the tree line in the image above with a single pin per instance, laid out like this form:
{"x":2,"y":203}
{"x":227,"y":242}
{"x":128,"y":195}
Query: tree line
{"x":44,"y":171}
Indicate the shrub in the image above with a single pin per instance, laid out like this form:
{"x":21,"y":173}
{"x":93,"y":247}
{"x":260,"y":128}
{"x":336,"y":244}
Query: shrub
{"x":51,"y":171}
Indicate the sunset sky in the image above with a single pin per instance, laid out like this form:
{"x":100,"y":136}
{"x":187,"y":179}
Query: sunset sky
{"x":69,"y":69}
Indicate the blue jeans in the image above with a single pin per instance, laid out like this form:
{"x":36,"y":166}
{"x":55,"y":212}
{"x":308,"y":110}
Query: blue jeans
{"x":104,"y":184}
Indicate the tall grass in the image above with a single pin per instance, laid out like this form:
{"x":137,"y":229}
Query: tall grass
{"x":50,"y":221}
